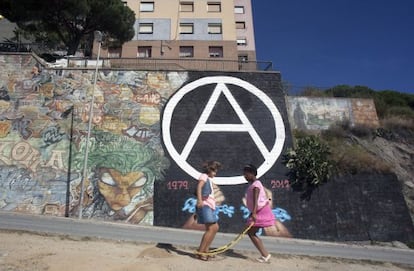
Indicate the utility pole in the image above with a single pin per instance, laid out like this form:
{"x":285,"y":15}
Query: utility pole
{"x":98,"y":38}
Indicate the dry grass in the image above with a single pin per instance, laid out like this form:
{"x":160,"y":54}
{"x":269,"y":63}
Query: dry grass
{"x":348,"y":155}
{"x":397,"y":129}
{"x":399,"y":112}
{"x":351,"y":158}
{"x":396,"y":124}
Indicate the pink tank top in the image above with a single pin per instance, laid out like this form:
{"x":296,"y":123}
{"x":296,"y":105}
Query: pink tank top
{"x":262,"y":199}
{"x":209,"y":200}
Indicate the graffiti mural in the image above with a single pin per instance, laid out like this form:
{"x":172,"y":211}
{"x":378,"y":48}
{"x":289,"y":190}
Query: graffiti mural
{"x":43,"y":129}
{"x":314,"y":113}
{"x":150,"y":133}
{"x":317,"y":113}
{"x":221,"y":117}
{"x":121,"y":183}
{"x":228,"y":211}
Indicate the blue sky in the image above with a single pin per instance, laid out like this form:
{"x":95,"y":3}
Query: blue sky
{"x":324,"y":43}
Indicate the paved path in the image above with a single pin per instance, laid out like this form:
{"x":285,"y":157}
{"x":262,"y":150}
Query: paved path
{"x":188,"y":238}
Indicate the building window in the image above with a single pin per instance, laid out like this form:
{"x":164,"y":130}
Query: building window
{"x":186,"y":6}
{"x":241,"y":41}
{"x":214,"y":7}
{"x":239,"y":9}
{"x":146,"y":28}
{"x":114,"y":52}
{"x":146,"y":7}
{"x":186,"y":51}
{"x":186,"y":28}
{"x":214,"y":28}
{"x":144,"y":51}
{"x":243,"y":58}
{"x":240,"y":25}
{"x":215,"y":51}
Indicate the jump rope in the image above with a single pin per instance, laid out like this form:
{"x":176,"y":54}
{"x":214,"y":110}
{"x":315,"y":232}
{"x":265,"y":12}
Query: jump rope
{"x":225,"y":247}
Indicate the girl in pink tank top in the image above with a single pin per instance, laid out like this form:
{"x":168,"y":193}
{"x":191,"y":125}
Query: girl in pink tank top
{"x":261,"y":214}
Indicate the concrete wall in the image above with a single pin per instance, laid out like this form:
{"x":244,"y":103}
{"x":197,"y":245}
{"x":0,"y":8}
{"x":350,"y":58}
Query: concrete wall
{"x":171,"y":9}
{"x":161,"y":29}
{"x":248,"y":32}
{"x":201,"y":29}
{"x":310,"y":113}
{"x":151,"y":132}
{"x":44,"y":120}
{"x":356,"y":207}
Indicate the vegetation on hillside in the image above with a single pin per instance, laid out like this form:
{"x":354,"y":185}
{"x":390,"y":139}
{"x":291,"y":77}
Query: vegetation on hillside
{"x":387,"y":102}
{"x":341,"y":142}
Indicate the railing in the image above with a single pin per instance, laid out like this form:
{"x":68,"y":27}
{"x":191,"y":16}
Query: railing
{"x":15,"y":47}
{"x":143,"y":63}
{"x":171,"y":64}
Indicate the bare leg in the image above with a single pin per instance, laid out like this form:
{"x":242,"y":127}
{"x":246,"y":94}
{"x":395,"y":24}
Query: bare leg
{"x":257,"y":242}
{"x":192,"y":224}
{"x":208,"y":237}
{"x":278,"y":230}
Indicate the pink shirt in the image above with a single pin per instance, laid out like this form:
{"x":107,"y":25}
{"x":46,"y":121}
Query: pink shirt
{"x":262,"y":199}
{"x":210,"y":201}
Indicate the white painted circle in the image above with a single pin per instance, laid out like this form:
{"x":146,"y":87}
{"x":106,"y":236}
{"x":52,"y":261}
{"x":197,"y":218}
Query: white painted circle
{"x":269,"y":160}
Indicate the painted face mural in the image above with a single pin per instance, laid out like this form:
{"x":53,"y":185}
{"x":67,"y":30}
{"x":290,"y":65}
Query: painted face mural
{"x":44,"y":117}
{"x":118,"y":189}
{"x":123,"y":172}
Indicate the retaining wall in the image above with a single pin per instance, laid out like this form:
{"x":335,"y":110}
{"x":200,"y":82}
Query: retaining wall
{"x":151,"y":131}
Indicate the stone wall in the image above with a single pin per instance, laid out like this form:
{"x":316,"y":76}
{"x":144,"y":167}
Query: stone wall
{"x":358,"y":207}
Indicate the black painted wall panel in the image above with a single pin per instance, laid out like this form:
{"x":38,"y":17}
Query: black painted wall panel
{"x":349,"y":208}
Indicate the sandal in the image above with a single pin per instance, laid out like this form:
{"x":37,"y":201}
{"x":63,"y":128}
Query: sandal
{"x":201,"y":257}
{"x":263,"y":259}
{"x":215,"y":258}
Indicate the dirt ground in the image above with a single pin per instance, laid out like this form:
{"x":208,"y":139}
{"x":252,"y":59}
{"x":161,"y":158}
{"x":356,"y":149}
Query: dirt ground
{"x":21,"y":251}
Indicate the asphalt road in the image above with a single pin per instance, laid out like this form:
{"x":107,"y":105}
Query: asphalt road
{"x":187,"y":238}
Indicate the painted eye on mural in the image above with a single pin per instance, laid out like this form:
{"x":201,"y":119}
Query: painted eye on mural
{"x":140,"y":182}
{"x":106,"y":178}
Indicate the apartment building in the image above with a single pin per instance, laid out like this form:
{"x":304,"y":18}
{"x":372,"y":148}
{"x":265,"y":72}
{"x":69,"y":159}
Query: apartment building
{"x":190,"y":29}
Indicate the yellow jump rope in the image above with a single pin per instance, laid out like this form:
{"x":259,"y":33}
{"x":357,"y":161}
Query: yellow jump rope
{"x":225,"y":247}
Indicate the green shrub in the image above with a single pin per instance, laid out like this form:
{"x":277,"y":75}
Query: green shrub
{"x":300,"y":133}
{"x":309,"y":165}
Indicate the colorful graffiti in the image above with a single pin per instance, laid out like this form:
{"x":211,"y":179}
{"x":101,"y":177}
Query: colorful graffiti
{"x":43,"y":127}
{"x":225,"y":210}
{"x":150,"y":131}
{"x":121,"y":180}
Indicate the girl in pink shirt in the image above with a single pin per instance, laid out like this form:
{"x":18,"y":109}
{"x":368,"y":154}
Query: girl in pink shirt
{"x":260,"y":211}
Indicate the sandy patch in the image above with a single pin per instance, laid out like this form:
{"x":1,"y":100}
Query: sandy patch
{"x":21,"y":251}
